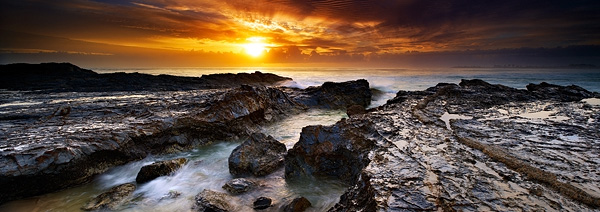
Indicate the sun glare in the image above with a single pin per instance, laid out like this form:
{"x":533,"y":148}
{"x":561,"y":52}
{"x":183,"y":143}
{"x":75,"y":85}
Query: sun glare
{"x":256,"y":47}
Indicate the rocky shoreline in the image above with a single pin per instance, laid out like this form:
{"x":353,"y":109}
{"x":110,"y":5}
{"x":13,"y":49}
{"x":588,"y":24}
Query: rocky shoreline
{"x":472,"y":146}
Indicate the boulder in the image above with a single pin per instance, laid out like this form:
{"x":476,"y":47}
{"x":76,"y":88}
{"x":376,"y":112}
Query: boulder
{"x":339,"y":151}
{"x":262,"y":203}
{"x":209,"y":200}
{"x":569,"y":93}
{"x":238,"y":185}
{"x":259,"y":155}
{"x":110,"y":199}
{"x":297,"y":205}
{"x":332,"y":95}
{"x":355,"y":110}
{"x":157,"y":169}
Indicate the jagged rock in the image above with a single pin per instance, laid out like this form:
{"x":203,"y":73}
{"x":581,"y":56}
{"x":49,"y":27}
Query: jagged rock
{"x":483,"y":162}
{"x":355,"y":110}
{"x":262,"y":203}
{"x":209,"y":200}
{"x":238,"y":185}
{"x":110,"y":199}
{"x":333,"y":95}
{"x":297,"y":205}
{"x":569,"y":93}
{"x":340,"y":151}
{"x":157,"y":169}
{"x":359,"y":197}
{"x":259,"y":155}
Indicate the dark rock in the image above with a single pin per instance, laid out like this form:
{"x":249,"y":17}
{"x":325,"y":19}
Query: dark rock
{"x":262,"y":203}
{"x":561,"y":93}
{"x":110,"y":199}
{"x":229,"y":80}
{"x":260,"y":155}
{"x":333,"y":95}
{"x":238,"y":185}
{"x":209,"y":200}
{"x":340,"y":151}
{"x":61,"y":77}
{"x":355,"y":110}
{"x":297,"y":205}
{"x":157,"y":169}
{"x":359,"y":197}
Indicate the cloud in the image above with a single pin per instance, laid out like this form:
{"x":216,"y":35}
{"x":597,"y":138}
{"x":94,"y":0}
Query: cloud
{"x":351,"y":26}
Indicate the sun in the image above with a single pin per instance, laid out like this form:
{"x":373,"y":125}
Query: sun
{"x":256,"y":47}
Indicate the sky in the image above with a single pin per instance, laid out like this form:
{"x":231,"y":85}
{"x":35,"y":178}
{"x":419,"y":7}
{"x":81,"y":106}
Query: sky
{"x":391,"y":33}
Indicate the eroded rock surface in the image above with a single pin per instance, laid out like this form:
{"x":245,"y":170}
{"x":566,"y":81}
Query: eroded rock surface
{"x":110,"y":199}
{"x":157,"y":169}
{"x":238,"y":185}
{"x":209,"y":200}
{"x":332,"y":95}
{"x":505,"y":150}
{"x":259,"y":155}
{"x":339,"y":151}
{"x":54,"y":140}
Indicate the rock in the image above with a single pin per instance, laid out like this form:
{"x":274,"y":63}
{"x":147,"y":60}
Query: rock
{"x":333,"y":95}
{"x":238,"y":185}
{"x":417,"y":164}
{"x":259,"y":155}
{"x":157,"y":169}
{"x":355,"y":110}
{"x":209,"y":200}
{"x":63,"y":77}
{"x":561,"y":93}
{"x":262,"y":203}
{"x":110,"y":199}
{"x":339,"y":151}
{"x":297,"y":205}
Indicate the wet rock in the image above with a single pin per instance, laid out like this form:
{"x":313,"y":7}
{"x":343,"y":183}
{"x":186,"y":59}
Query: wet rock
{"x":110,"y":199}
{"x":333,"y":95}
{"x":359,"y":197}
{"x":157,"y":169}
{"x":260,"y":155}
{"x":238,"y":185}
{"x":209,"y":200}
{"x":297,"y":205}
{"x":338,"y":151}
{"x":484,"y":163}
{"x":262,"y":203}
{"x":355,"y":110}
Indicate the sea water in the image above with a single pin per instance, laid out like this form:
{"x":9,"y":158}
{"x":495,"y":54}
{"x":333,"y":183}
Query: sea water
{"x":207,"y":166}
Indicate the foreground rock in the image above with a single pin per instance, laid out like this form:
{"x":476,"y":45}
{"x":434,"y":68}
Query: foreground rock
{"x":260,"y":155}
{"x":209,"y":200}
{"x":111,"y":199}
{"x":158,"y":169}
{"x":297,"y":205}
{"x":62,"y":139}
{"x":262,"y":203}
{"x":238,"y":185}
{"x":339,"y":151}
{"x":509,"y":150}
{"x":43,"y":152}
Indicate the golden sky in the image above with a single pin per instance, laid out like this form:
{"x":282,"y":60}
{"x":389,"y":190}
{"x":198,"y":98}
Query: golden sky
{"x":279,"y":32}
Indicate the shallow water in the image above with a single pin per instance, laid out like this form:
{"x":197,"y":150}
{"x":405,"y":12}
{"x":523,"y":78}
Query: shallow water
{"x":206,"y":169}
